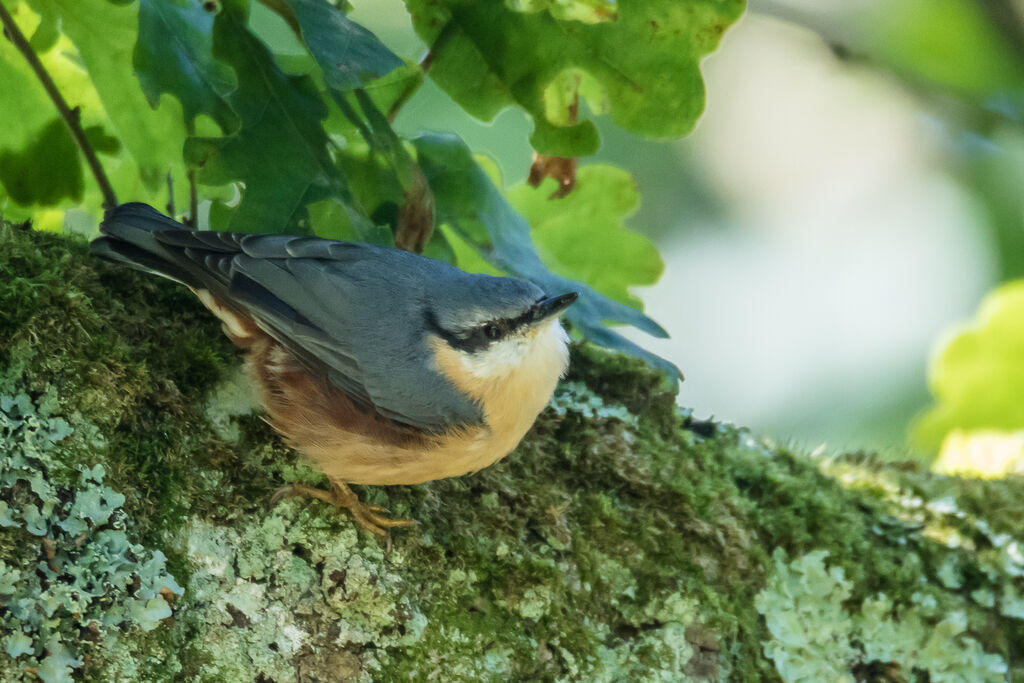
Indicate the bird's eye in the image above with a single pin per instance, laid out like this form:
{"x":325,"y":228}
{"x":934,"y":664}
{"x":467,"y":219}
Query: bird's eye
{"x":492,"y":331}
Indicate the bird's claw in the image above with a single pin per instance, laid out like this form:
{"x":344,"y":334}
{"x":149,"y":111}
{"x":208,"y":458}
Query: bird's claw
{"x":342,"y":497}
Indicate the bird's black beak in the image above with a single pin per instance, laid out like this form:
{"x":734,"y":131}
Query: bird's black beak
{"x":552,"y":305}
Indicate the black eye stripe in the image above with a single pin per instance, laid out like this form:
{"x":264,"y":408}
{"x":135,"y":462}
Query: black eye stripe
{"x":475,"y":340}
{"x":508,"y":325}
{"x":481,"y":337}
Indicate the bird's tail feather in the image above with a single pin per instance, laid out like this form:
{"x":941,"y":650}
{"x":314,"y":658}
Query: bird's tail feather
{"x":128,"y":238}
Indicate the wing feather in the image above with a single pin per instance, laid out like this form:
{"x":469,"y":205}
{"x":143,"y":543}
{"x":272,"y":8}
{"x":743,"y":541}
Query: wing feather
{"x":354,"y":311}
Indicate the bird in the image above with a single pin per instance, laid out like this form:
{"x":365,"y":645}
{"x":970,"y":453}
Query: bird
{"x":378,"y":365}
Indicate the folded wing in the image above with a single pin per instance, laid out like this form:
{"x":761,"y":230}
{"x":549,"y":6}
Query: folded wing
{"x":353,"y":311}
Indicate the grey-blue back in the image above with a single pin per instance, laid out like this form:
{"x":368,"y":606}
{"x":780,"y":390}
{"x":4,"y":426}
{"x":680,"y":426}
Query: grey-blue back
{"x":355,"y":311}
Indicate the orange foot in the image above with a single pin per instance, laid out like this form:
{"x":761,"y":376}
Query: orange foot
{"x":341,"y":496}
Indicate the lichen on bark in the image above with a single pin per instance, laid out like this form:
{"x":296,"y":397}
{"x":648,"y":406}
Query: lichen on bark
{"x":623,"y":539}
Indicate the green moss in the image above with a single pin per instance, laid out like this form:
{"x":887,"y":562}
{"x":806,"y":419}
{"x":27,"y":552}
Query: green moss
{"x":112,"y":359}
{"x":623,"y":540}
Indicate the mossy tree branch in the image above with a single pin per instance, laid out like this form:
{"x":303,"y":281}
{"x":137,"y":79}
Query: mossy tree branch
{"x":70,"y":115}
{"x":623,"y":540}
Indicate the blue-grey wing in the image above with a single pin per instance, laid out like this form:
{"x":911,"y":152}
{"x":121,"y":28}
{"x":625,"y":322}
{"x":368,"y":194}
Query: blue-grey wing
{"x":357,"y":316}
{"x":354,"y":311}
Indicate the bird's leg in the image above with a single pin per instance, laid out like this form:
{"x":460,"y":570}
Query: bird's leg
{"x":341,"y":496}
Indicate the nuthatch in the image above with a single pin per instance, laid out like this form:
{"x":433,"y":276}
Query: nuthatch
{"x":378,"y":365}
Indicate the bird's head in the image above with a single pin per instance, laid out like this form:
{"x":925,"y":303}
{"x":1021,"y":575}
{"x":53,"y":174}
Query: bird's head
{"x":495,"y":325}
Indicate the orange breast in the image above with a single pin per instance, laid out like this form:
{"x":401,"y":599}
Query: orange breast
{"x":352,"y":444}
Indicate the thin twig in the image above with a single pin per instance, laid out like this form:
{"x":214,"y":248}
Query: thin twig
{"x":70,"y":116}
{"x":193,"y":200}
{"x":170,"y":195}
{"x":414,"y":84}
{"x":193,"y":191}
{"x":352,"y":115}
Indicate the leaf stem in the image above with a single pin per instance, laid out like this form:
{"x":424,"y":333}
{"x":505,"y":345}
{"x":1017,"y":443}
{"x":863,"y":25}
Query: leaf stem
{"x":350,"y":113}
{"x":407,"y":92}
{"x":170,"y":196}
{"x":71,"y":116}
{"x":425,"y":62}
{"x":193,"y":191}
{"x":193,"y":200}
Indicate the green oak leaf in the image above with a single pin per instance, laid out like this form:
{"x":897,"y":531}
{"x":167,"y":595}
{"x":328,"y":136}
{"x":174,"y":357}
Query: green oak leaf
{"x":105,"y":35}
{"x":27,"y":110}
{"x":474,"y":209}
{"x":337,"y":220}
{"x":349,"y":55}
{"x":578,"y":139}
{"x":279,"y":151}
{"x":346,"y":55}
{"x":46,"y":171}
{"x":101,"y":141}
{"x":582,"y":235}
{"x":402,"y":82}
{"x":977,"y":377}
{"x":174,"y":54}
{"x":487,"y":55}
{"x":374,"y":189}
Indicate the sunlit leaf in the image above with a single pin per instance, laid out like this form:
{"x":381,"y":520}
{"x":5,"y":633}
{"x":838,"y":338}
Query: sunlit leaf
{"x":487,"y":55}
{"x":981,"y":453}
{"x":468,"y":201}
{"x":105,"y":36}
{"x":280,"y":150}
{"x":587,"y":11}
{"x":24,"y":106}
{"x":39,"y":162}
{"x":583,"y":237}
{"x":977,"y":377}
{"x":403,"y":81}
{"x":337,"y":220}
{"x":45,"y":35}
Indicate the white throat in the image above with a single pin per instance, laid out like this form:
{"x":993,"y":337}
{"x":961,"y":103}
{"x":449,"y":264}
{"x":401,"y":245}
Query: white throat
{"x":540,"y":353}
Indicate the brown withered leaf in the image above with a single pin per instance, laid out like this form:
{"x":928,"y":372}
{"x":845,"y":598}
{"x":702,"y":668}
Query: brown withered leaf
{"x":562,"y":169}
{"x":416,"y":217}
